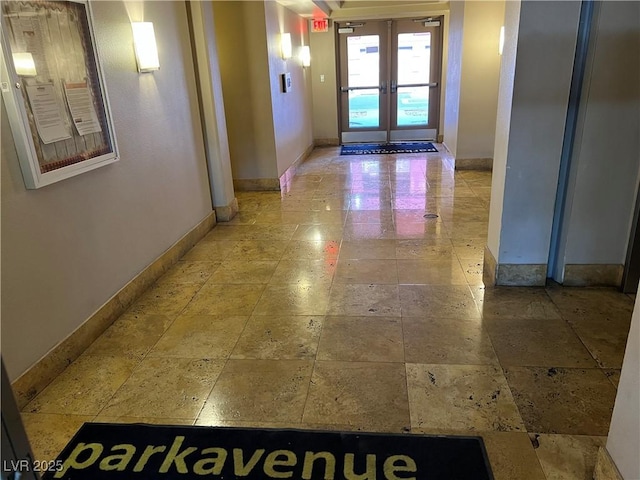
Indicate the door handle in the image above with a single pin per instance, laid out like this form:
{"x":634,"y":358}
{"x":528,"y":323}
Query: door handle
{"x":382,"y":88}
{"x":394,"y":87}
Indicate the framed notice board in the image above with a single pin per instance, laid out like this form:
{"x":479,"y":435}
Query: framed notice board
{"x":54,"y":90}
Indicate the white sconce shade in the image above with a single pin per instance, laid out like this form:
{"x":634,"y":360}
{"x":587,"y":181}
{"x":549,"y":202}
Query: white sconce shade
{"x":285,"y":45}
{"x":24,"y":64}
{"x":144,"y":42}
{"x":305,"y":56}
{"x":501,"y":43}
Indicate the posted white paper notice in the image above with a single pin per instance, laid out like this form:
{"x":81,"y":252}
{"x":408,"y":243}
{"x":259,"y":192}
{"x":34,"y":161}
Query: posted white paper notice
{"x":47,"y":113}
{"x":81,"y":107}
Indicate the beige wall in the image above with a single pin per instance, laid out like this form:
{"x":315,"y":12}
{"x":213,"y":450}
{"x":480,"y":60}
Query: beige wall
{"x":480,"y":72}
{"x":68,"y":247}
{"x":451,"y":107}
{"x":268,"y":129}
{"x":242,"y":49}
{"x":292,"y":110}
{"x":325,"y":103}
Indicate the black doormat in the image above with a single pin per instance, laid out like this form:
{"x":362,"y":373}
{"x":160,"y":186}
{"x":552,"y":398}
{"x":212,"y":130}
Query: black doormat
{"x":101,"y":451}
{"x":386,"y":148}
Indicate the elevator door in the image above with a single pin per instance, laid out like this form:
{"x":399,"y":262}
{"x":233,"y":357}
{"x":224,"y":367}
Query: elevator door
{"x":389,"y":80}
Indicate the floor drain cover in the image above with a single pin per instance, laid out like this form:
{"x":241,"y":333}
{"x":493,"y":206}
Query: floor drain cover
{"x":430,"y":215}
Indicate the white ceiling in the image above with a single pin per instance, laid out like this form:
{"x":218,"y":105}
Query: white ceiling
{"x":334,"y":8}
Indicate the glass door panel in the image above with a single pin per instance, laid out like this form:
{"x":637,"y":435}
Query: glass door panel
{"x":404,"y":55}
{"x":415,"y":75}
{"x":414,"y":68}
{"x":414,"y":57}
{"x":364,"y":108}
{"x":362,"y":69}
{"x":412,"y":107}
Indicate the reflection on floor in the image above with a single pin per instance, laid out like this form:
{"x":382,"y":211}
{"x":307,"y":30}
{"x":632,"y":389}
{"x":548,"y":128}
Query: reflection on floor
{"x":337,"y":305}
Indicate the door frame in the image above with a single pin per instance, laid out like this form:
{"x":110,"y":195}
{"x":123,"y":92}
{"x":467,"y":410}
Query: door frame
{"x":436,"y":96}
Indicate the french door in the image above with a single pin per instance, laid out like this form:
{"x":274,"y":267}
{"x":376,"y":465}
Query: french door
{"x":389,"y":80}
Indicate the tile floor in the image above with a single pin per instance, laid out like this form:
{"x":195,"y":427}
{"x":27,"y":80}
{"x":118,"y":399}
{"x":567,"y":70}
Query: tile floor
{"x":336,"y":305}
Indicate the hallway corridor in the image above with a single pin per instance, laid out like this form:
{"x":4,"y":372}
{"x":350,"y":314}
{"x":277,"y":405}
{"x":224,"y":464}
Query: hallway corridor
{"x":337,"y":305}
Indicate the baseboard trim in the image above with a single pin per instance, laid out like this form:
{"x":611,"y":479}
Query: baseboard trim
{"x":290,"y":172}
{"x":36,"y":378}
{"x":512,"y":274}
{"x":605,"y":467}
{"x":227,"y":212}
{"x":604,"y":275}
{"x":256,"y":184}
{"x":474,"y":164}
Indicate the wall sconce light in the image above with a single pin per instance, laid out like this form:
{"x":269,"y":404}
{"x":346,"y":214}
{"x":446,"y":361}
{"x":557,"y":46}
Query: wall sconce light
{"x":305,"y":56}
{"x":285,"y":45}
{"x":144,"y":42}
{"x":24,"y":64}
{"x":501,"y":42}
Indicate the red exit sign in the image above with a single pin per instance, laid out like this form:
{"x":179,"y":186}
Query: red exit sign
{"x":320,"y":25}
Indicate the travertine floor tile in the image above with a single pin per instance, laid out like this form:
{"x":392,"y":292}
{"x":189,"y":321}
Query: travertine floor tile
{"x":210,"y":250}
{"x":239,"y":321}
{"x":509,"y":302}
{"x":605,"y":336}
{"x":356,"y":232}
{"x":202,"y":336}
{"x":361,"y":339}
{"x":512,"y":456}
{"x":189,"y":272}
{"x":279,"y":337}
{"x":49,"y":434}
{"x":367,"y":271}
{"x":613,"y":375}
{"x":562,"y":400}
{"x":247,"y":250}
{"x":578,"y":303}
{"x":424,"y":249}
{"x":368,"y":249}
{"x":447,"y":301}
{"x":473,"y":269}
{"x":217,"y":299}
{"x":370,"y":216}
{"x":447,"y":340}
{"x":164,"y":299}
{"x":165,"y":388}
{"x":244,"y":272}
{"x":304,"y":272}
{"x":431,"y":272}
{"x":359,"y":300}
{"x":298,"y":299}
{"x":356,"y":393}
{"x":530,"y":342}
{"x":461,"y":397}
{"x":312,"y":250}
{"x":329,"y":234}
{"x":85,"y":387}
{"x":131,"y":336}
{"x":568,"y":456}
{"x":147,"y":420}
{"x":259,"y":390}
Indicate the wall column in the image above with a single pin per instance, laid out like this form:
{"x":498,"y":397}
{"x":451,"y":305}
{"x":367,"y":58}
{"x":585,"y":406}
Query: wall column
{"x":212,"y":110}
